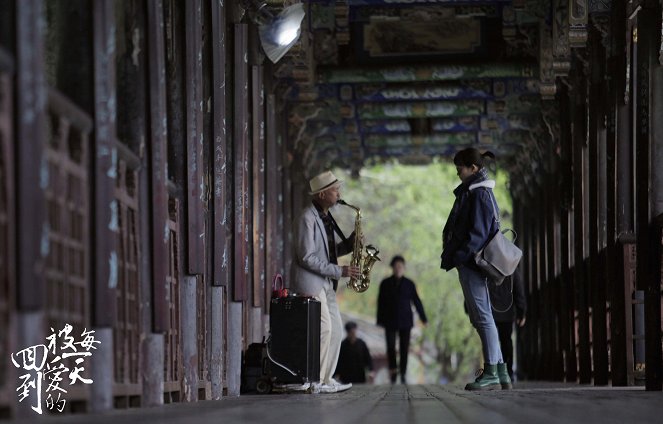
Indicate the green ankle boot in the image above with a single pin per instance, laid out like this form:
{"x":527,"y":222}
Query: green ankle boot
{"x":503,"y":375}
{"x":487,"y":380}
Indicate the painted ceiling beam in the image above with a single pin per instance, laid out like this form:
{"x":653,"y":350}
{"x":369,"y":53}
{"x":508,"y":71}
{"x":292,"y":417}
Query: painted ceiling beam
{"x":410,"y":73}
{"x":485,"y":138}
{"x":445,"y":125}
{"x":420,"y":2}
{"x":378,"y":140}
{"x":446,"y":90}
{"x":420,"y":109}
{"x":423,"y":153}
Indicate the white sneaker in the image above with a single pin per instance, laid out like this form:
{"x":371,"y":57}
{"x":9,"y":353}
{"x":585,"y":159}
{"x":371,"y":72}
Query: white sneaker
{"x":334,"y":387}
{"x":328,"y":388}
{"x":343,"y":387}
{"x":315,"y":388}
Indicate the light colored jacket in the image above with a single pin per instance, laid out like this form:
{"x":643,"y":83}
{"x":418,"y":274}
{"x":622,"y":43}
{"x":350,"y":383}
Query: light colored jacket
{"x":311,"y":269}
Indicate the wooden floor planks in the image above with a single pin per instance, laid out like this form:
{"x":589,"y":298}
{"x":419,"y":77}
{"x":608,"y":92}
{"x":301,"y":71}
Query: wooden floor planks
{"x":528,"y":404}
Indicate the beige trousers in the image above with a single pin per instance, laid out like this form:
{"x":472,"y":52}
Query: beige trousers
{"x":331,"y":333}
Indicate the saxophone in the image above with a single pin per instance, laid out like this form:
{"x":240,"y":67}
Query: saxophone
{"x":364,"y":263}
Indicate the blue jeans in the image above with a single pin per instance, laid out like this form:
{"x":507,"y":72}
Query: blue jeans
{"x":477,"y":299}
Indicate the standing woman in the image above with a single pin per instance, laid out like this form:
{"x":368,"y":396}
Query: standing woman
{"x":471,"y":223}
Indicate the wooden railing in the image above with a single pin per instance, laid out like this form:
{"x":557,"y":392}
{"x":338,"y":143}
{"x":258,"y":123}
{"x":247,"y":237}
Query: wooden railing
{"x":66,"y":272}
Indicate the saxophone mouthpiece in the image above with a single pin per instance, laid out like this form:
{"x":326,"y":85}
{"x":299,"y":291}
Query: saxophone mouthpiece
{"x":342,"y":202}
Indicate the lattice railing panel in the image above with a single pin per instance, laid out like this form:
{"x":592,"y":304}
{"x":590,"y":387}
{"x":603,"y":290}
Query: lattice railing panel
{"x":67,"y":205}
{"x":126,"y":333}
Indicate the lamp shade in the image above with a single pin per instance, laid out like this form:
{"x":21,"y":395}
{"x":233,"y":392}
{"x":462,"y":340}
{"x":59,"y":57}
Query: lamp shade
{"x":278,"y":35}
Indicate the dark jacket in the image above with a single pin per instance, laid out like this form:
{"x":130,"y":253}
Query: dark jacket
{"x":504,"y":295}
{"x":395,"y":304}
{"x":353,"y":360}
{"x":471,"y":223}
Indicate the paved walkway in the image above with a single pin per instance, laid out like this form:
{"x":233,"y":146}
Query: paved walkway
{"x":531,"y":404}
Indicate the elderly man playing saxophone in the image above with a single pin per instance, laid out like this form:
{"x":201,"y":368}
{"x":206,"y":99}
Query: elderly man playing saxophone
{"x":315,"y":270}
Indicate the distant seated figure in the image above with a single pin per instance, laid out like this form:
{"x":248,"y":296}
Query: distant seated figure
{"x":354,"y":358}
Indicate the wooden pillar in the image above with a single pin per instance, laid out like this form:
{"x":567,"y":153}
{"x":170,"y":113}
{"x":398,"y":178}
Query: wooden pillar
{"x":105,"y":217}
{"x":272,"y":208}
{"x":580,"y":227}
{"x":258,"y":178}
{"x":29,"y":131}
{"x":194,"y":136}
{"x":289,"y":213}
{"x":567,"y":333}
{"x":241,"y":164}
{"x":195,"y":196}
{"x":530,"y":284}
{"x":614,"y":282}
{"x":596,"y":278}
{"x":625,"y":227}
{"x":258,"y":150}
{"x":222,"y":201}
{"x":29,"y":142}
{"x":542,"y":320}
{"x":241,"y":200}
{"x":156,"y":207}
{"x":554,"y":272}
{"x":537,"y":287}
{"x":545,"y":315}
{"x":158,"y":154}
{"x":518,"y":227}
{"x":646,"y":41}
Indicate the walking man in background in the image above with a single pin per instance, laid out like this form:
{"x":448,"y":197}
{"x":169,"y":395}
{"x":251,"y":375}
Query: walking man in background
{"x":395,"y":299}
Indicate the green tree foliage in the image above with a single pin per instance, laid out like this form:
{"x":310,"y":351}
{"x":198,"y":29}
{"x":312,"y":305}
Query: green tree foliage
{"x":404,"y":209}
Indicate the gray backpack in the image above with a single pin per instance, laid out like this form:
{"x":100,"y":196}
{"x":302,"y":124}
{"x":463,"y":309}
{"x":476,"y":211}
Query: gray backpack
{"x":499,"y":258}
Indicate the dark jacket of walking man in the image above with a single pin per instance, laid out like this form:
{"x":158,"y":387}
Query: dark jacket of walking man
{"x":395,"y":300}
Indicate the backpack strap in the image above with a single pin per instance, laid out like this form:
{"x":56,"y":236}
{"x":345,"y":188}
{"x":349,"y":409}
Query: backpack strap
{"x":493,"y":204}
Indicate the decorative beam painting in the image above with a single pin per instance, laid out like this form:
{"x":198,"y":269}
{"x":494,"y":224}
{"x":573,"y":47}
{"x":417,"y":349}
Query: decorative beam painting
{"x":385,"y":92}
{"x":420,"y":109}
{"x":426,"y":73}
{"x":415,"y":2}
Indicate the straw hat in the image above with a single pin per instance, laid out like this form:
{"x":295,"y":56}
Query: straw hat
{"x":323,"y":182}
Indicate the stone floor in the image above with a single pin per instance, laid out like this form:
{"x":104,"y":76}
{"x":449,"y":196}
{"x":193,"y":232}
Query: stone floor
{"x":531,"y":404}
